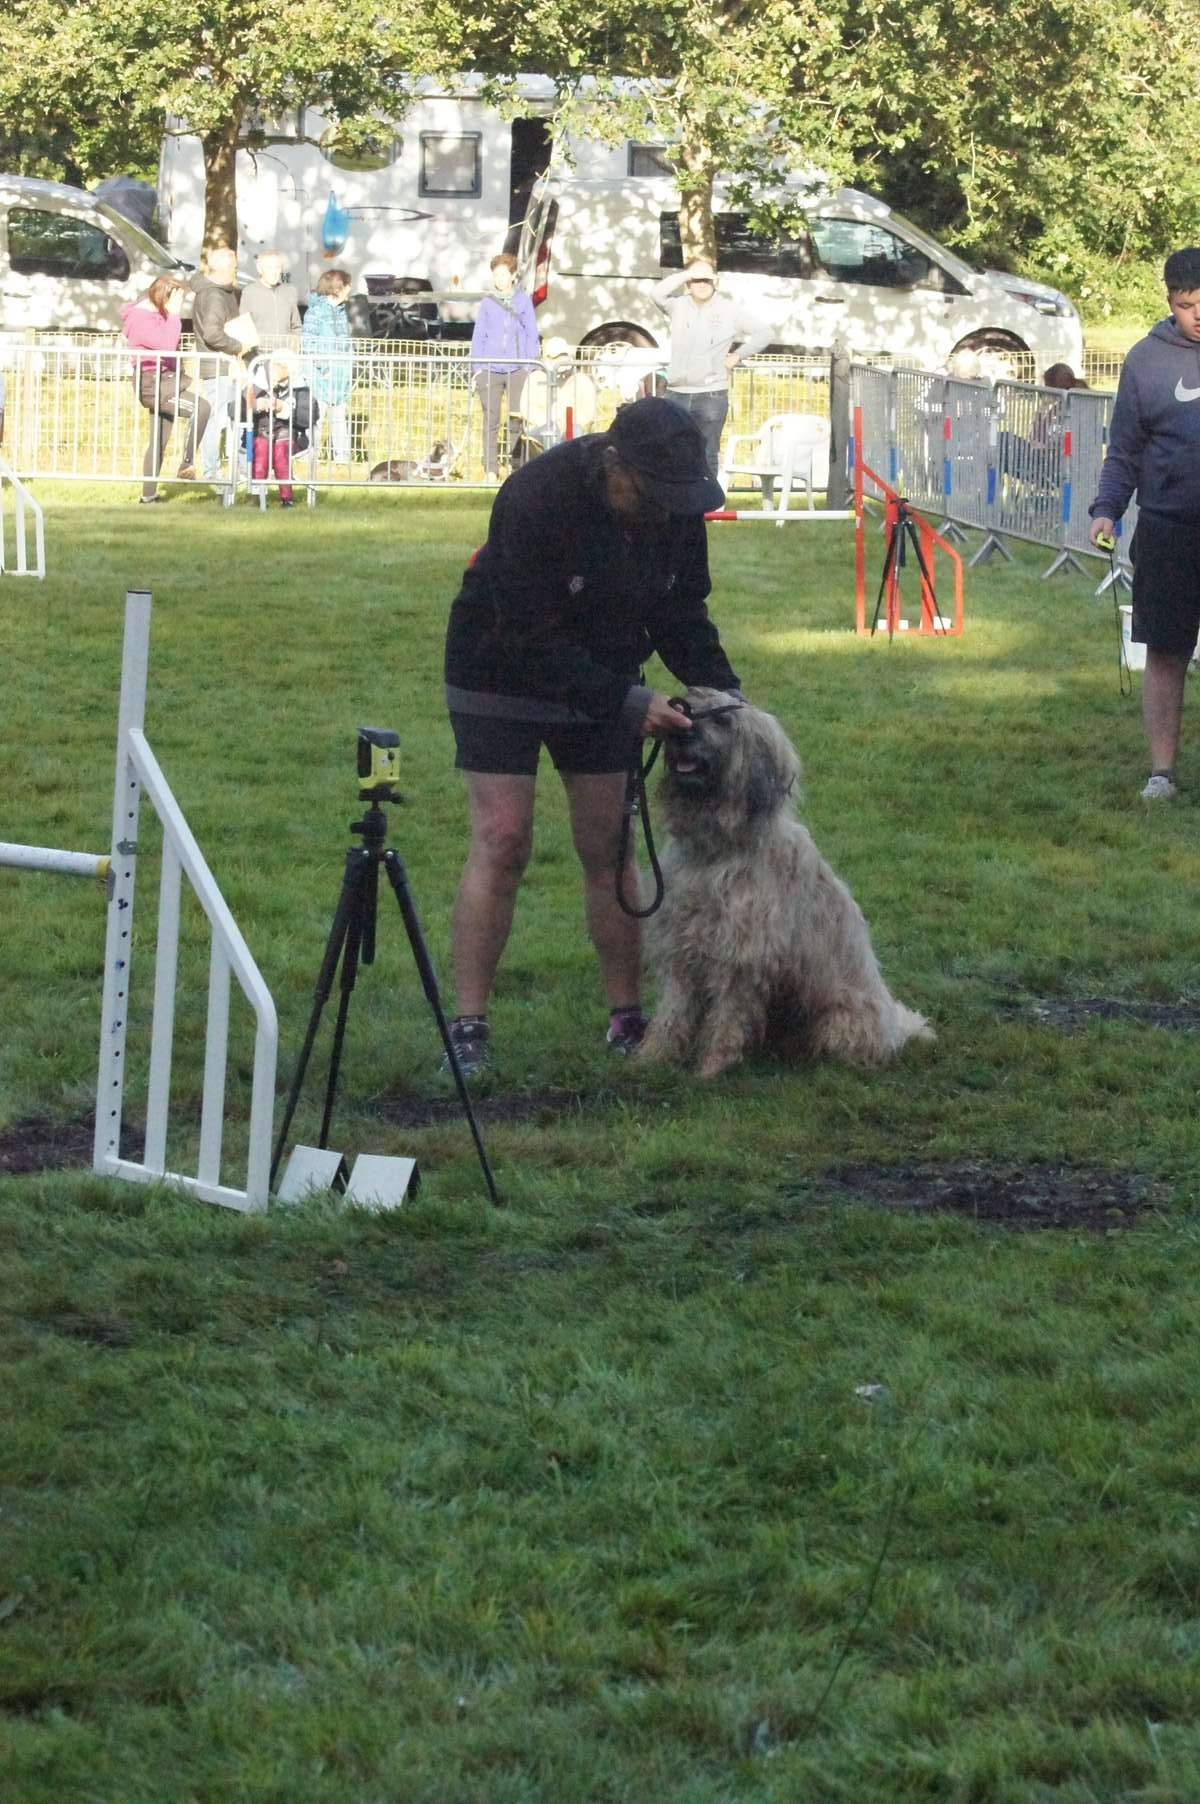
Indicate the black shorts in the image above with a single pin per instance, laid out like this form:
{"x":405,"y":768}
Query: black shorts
{"x":1165,"y":555}
{"x":510,"y":748}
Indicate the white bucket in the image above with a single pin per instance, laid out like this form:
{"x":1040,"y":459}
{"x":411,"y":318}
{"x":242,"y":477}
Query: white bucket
{"x":1134,"y":650}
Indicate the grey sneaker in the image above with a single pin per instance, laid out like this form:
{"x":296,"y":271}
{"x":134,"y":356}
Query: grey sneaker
{"x":1160,"y":786}
{"x":626,"y":1031}
{"x":471,"y":1039}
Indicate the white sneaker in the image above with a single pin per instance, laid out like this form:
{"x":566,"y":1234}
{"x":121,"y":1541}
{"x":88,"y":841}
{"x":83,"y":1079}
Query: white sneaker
{"x":1160,"y":787}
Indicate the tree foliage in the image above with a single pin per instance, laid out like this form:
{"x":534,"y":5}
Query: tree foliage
{"x":109,"y":67}
{"x":1054,"y":136}
{"x":1050,"y":135}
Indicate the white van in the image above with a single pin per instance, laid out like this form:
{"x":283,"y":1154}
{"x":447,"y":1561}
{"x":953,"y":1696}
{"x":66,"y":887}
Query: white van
{"x":592,"y":252}
{"x":69,"y":262}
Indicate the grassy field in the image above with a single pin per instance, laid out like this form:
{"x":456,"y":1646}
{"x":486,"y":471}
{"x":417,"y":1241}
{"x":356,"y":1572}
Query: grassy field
{"x":809,"y":1436}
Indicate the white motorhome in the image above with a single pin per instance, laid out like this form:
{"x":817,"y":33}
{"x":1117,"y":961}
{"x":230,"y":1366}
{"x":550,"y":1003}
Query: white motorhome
{"x":430,"y":202}
{"x":69,"y":261}
{"x":593,"y":251}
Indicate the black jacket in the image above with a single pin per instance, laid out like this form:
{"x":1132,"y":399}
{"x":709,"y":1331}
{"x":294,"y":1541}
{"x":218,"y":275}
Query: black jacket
{"x":561,"y":607}
{"x":212,"y":309}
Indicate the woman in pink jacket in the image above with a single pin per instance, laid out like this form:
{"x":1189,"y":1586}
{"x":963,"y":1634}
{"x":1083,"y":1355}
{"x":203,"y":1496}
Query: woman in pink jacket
{"x":152,"y":325}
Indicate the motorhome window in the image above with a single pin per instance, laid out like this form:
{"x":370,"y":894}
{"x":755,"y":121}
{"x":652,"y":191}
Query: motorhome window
{"x":739,"y":249}
{"x":451,"y":164}
{"x":379,"y":151}
{"x":855,"y":250}
{"x":650,"y":159}
{"x":55,"y":244}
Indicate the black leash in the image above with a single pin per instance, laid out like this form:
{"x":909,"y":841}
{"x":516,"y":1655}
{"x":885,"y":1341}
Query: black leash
{"x":636,"y":803}
{"x":1105,"y":542}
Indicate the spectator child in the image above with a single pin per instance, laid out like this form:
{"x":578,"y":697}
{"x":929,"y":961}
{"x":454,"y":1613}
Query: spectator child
{"x":327,"y":330}
{"x":284,"y":415}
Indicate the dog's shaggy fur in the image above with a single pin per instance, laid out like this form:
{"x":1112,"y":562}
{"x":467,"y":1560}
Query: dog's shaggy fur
{"x":757,"y":943}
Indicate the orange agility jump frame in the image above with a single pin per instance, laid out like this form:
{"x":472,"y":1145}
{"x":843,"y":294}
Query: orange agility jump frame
{"x":902,"y":524}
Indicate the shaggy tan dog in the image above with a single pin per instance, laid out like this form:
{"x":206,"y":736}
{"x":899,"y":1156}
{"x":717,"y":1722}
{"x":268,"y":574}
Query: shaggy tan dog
{"x":757,"y":943}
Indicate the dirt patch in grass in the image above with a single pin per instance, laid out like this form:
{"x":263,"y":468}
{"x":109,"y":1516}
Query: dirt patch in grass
{"x":1071,"y":1012}
{"x":1032,"y":1196}
{"x":525,"y":1105}
{"x":41,"y":1145}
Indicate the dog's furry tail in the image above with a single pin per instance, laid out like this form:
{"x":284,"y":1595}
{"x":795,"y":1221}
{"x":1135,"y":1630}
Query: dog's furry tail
{"x":911,"y":1026}
{"x":868,"y":1031}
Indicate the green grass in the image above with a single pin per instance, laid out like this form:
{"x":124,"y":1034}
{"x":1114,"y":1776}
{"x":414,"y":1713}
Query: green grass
{"x":580,"y":1500}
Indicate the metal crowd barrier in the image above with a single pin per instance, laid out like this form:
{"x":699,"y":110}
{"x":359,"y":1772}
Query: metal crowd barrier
{"x":100,"y":413}
{"x":1012,"y":460}
{"x":90,"y":408}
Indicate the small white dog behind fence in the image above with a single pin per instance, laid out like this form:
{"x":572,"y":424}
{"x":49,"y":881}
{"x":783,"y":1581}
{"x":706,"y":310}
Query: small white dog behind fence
{"x":758,"y":942}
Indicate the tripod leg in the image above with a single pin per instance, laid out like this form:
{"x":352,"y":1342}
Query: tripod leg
{"x":362,"y":917}
{"x":346,"y":904}
{"x":393,"y":864}
{"x":889,"y":554}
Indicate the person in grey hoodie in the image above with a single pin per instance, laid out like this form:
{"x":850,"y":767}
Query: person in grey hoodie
{"x":271,"y":302}
{"x":705,"y":328}
{"x":1154,"y":449}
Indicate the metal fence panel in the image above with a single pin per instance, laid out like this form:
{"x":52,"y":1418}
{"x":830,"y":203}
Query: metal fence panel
{"x":1011,"y":459}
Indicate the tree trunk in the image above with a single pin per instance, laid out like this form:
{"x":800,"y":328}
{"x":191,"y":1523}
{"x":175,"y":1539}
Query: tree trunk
{"x":696,"y":231}
{"x":220,"y":185}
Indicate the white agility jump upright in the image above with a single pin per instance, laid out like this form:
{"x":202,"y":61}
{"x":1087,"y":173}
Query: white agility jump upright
{"x":16,"y":562}
{"x":138,"y":770}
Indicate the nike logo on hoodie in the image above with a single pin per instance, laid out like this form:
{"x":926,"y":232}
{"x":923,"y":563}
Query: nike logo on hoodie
{"x":1186,"y":394}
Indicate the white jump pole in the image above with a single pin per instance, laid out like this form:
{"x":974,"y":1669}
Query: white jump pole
{"x":127,"y":791}
{"x":49,"y":858}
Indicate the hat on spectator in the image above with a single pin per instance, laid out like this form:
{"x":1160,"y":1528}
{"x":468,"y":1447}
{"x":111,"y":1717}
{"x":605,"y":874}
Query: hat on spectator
{"x":664,"y":447}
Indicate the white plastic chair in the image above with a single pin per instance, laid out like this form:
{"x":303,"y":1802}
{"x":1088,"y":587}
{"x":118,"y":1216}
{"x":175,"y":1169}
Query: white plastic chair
{"x":791,"y":448}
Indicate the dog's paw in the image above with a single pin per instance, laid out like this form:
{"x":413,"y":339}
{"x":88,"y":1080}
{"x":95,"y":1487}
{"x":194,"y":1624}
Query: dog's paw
{"x":657,"y":1048}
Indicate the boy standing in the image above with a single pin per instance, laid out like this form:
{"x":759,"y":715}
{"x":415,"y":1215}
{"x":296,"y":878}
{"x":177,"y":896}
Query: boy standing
{"x":1154,"y":448}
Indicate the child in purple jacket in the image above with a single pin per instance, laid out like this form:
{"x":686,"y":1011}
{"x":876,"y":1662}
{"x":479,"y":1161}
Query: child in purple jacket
{"x":504,"y":340}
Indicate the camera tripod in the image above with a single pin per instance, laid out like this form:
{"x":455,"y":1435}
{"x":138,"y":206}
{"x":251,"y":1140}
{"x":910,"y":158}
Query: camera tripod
{"x":352,"y":942}
{"x":900,"y":534}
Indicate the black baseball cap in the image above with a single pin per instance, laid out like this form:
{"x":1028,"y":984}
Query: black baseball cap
{"x":664,"y":447}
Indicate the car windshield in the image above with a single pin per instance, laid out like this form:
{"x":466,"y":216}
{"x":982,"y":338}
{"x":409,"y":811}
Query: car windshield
{"x":150,"y":248}
{"x":932,"y":248}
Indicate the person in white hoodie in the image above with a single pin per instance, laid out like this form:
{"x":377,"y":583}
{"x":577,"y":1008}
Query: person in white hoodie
{"x":710,"y":336}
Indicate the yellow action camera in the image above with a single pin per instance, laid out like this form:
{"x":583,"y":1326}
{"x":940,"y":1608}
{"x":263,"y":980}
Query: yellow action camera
{"x":378,"y":763}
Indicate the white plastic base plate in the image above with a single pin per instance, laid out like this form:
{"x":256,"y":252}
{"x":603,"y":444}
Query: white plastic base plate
{"x":380,"y":1182}
{"x":312,"y":1168}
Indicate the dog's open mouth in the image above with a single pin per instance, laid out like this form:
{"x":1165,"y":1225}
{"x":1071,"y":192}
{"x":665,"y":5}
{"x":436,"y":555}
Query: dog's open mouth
{"x":686,"y":764}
